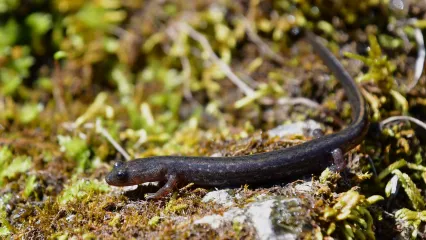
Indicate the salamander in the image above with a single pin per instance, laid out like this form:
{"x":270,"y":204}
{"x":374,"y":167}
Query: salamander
{"x":307,"y":158}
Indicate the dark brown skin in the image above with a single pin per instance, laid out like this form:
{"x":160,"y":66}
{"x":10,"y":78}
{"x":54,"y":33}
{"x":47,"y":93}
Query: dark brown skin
{"x":307,"y":158}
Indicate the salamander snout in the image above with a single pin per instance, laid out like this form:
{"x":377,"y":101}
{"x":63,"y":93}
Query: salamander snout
{"x":119,"y":176}
{"x":136,"y":172}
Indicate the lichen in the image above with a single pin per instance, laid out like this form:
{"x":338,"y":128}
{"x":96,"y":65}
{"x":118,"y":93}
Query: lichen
{"x":84,"y":84}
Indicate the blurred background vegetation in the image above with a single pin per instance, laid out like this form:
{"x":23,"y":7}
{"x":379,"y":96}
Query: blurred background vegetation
{"x":86,"y":83}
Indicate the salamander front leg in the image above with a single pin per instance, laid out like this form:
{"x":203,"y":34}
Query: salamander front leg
{"x":171,"y":183}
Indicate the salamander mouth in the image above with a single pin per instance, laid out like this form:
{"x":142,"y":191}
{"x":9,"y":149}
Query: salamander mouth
{"x":119,"y":177}
{"x":111,"y":179}
{"x":118,"y":180}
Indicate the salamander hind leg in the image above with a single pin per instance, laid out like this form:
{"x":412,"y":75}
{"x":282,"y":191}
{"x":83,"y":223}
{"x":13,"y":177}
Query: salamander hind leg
{"x":339,"y":159}
{"x":171,"y":183}
{"x":337,"y":154}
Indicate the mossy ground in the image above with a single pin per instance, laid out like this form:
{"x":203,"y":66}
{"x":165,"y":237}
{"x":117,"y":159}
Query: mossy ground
{"x":201,"y":78}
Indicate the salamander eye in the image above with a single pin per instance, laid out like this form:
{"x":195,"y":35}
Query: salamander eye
{"x":118,"y":164}
{"x":121,"y":174}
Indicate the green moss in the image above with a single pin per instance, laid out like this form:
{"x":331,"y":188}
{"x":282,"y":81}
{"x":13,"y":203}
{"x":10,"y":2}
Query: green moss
{"x":411,"y":189}
{"x":29,"y":112}
{"x":380,"y":68}
{"x":154,"y":221}
{"x":8,"y":5}
{"x":81,"y":189}
{"x":115,"y":221}
{"x":10,"y":31}
{"x":350,"y":216}
{"x":77,"y":150}
{"x":60,"y":55}
{"x":398,"y":164}
{"x":12,"y":166}
{"x":95,"y":108}
{"x":70,"y":68}
{"x":16,"y":63}
{"x":4,"y":231}
{"x":40,"y":24}
{"x":6,"y":228}
{"x":29,"y":186}
{"x":411,"y":219}
{"x":5,"y":156}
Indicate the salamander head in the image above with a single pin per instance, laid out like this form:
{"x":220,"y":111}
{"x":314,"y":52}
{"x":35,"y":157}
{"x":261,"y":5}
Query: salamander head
{"x":135,"y":172}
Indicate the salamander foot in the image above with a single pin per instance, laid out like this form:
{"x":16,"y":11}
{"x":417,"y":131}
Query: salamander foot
{"x":338,"y":159}
{"x":171,"y":183}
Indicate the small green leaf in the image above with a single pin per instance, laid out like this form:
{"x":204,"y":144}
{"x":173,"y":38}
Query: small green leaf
{"x":40,"y":23}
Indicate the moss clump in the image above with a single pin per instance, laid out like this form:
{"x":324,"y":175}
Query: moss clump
{"x":86,"y":83}
{"x":11,"y":165}
{"x":81,"y":189}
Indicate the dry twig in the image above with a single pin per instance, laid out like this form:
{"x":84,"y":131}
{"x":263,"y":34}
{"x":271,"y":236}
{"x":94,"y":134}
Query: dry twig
{"x":223,"y":66}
